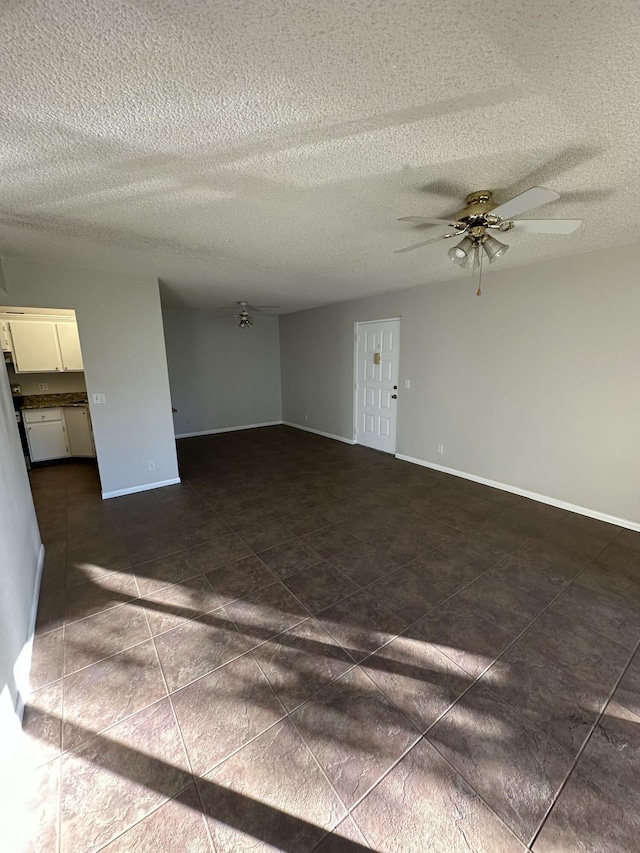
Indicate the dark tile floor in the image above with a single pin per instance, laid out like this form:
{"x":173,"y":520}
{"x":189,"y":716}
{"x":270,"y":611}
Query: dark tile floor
{"x":311,"y":646}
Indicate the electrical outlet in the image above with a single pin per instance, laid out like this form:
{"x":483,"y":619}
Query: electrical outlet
{"x":441,"y":448}
{"x":306,"y":417}
{"x":99,"y":399}
{"x":407,"y":383}
{"x":42,"y":386}
{"x":152,"y":465}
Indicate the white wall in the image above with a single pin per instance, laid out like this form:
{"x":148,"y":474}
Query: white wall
{"x":122,"y":340}
{"x":221,"y":376}
{"x":59,"y":383}
{"x":20,"y":552}
{"x":533,"y":385}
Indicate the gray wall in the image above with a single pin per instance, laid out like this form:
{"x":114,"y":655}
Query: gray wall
{"x":122,"y":340}
{"x":19,"y":552}
{"x":533,"y":385}
{"x":221,"y":376}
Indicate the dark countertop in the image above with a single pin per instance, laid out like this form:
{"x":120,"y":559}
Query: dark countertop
{"x":54,"y":401}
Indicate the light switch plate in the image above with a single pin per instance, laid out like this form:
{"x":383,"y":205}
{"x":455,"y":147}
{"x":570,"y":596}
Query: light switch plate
{"x":99,"y":399}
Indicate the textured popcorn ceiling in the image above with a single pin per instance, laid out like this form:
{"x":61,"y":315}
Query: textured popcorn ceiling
{"x":264,"y":149}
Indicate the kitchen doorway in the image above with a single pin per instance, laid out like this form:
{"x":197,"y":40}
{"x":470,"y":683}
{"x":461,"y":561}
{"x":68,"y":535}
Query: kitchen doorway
{"x":43,"y":359}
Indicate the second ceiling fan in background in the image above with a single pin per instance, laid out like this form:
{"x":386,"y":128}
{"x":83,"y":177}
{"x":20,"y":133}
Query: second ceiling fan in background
{"x":244,"y":317}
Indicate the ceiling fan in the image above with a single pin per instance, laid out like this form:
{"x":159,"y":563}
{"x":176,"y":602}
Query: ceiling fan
{"x":481,"y":218}
{"x":246,"y":319}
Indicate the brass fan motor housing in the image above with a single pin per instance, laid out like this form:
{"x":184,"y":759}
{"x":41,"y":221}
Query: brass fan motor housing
{"x":478,"y":203}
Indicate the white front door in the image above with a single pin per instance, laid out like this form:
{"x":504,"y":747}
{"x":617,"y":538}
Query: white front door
{"x":378,"y":349}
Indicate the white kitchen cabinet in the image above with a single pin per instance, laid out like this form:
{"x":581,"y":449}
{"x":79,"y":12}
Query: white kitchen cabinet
{"x":79,"y":435}
{"x":70,"y":353}
{"x":46,"y":434}
{"x":44,"y":346}
{"x":35,"y":346}
{"x":4,"y":336}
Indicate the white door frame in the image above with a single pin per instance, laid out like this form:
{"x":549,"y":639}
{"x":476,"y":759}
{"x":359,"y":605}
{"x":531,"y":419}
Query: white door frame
{"x":356,"y":329}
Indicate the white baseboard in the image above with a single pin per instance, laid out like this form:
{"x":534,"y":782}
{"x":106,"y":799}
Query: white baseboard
{"x":143,"y":488}
{"x":581,"y":510}
{"x":319,"y":432}
{"x":22,"y":666}
{"x":226,"y":429}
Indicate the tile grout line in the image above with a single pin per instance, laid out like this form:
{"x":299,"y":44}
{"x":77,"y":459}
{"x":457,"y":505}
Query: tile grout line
{"x":132,"y":601}
{"x":143,"y":818}
{"x":420,"y":735}
{"x":181,"y":736}
{"x":288,"y":716}
{"x":518,"y":636}
{"x":412,"y":625}
{"x":357,"y":664}
{"x":515,"y":640}
{"x":63,"y":684}
{"x":102,"y":732}
{"x":453,"y":769}
{"x":470,"y":686}
{"x":584,"y":746}
{"x":535,"y":619}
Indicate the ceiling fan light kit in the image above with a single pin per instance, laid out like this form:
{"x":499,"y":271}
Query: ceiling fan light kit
{"x":494,"y":248}
{"x":458,"y":254}
{"x":480,"y":218}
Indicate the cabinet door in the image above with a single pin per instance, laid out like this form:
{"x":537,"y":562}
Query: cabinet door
{"x":79,"y":432}
{"x":35,"y":346}
{"x":47,"y":440}
{"x":69,"y":346}
{"x":4,"y":336}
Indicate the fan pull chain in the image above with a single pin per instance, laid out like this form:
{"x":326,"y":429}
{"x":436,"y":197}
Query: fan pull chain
{"x":479,"y":290}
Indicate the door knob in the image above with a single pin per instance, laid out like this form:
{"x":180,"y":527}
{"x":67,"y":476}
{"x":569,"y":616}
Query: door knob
{"x":394,"y":396}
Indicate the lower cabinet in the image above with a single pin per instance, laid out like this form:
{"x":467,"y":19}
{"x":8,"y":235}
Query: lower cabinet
{"x":57,"y":433}
{"x":79,"y":431}
{"x":46,"y":434}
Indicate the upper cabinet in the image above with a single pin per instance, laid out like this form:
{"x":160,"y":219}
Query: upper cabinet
{"x":4,"y":336}
{"x":69,"y":346}
{"x":43,"y":345}
{"x":35,"y":346}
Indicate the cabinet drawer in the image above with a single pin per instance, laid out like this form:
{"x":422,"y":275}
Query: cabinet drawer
{"x":35,"y":416}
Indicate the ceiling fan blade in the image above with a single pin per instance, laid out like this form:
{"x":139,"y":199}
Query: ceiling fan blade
{"x":426,"y":242}
{"x":424,"y":220}
{"x":546,"y":226}
{"x":535,"y":197}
